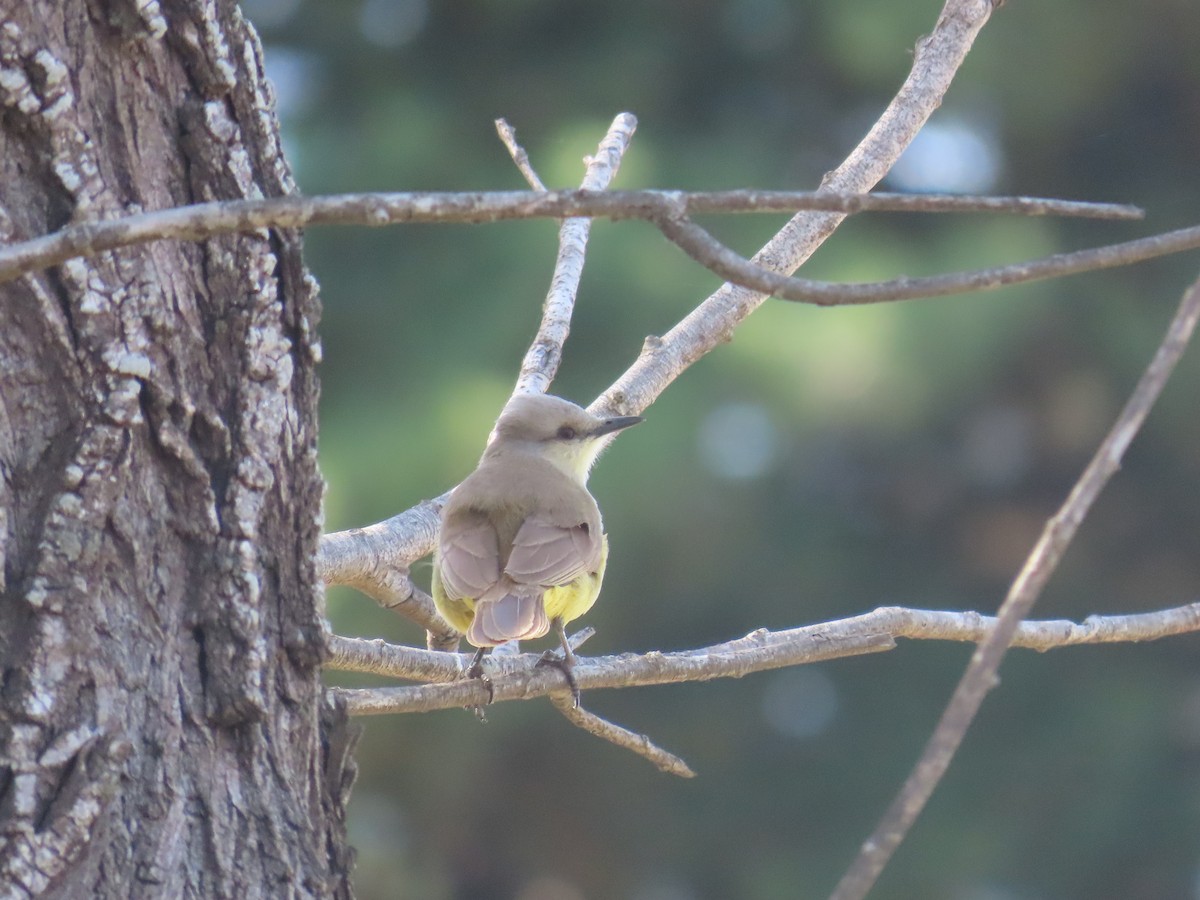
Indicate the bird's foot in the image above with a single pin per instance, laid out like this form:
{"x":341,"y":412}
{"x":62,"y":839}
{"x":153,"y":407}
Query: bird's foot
{"x":475,"y":670}
{"x":566,"y":665}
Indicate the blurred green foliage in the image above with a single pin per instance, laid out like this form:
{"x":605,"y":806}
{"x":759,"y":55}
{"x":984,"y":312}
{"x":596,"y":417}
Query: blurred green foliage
{"x":824,"y":463}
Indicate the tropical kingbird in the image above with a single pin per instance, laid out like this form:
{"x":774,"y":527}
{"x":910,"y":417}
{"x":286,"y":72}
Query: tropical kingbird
{"x":521,"y":547}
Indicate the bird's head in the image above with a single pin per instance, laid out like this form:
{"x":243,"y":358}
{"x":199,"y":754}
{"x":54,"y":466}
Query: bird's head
{"x":556,"y":430}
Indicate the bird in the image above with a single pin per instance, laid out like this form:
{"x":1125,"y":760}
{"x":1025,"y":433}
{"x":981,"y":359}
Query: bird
{"x":521,"y":547}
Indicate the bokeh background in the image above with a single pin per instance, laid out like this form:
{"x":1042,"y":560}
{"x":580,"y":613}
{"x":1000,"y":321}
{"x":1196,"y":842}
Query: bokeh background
{"x":824,"y":463}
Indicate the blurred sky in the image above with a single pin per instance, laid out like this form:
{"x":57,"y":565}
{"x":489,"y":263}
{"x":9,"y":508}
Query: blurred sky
{"x":824,"y":463}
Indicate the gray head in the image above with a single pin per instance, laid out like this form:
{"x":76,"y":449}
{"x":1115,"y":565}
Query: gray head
{"x":554,"y":428}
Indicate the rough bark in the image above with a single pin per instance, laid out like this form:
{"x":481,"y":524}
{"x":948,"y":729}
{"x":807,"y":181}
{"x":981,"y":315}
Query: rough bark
{"x":161,"y":725}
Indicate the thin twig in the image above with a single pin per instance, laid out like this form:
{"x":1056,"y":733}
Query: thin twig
{"x":719,"y":259}
{"x":581,"y":637}
{"x":412,"y":664}
{"x":663,"y":760}
{"x":980,"y":675}
{"x":520,"y":158}
{"x":205,"y":220}
{"x":541,"y":361}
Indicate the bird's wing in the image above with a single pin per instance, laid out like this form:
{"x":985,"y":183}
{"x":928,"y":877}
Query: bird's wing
{"x":547,"y":554}
{"x":469,"y":556}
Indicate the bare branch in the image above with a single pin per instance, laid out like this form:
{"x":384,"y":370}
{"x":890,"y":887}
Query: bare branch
{"x":375,"y":560}
{"x":622,"y":737}
{"x":893,"y":622}
{"x":980,"y":675}
{"x":829,"y":200}
{"x":382,"y":658}
{"x":354,"y":556}
{"x":205,"y":220}
{"x":716,"y":257}
{"x":869,"y":632}
{"x":520,"y":158}
{"x":544,"y":355}
{"x":517,"y":676}
{"x":1042,"y":635}
{"x":378,"y":657}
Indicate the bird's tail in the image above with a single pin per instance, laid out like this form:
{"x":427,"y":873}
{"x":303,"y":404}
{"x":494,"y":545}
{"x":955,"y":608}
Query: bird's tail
{"x":513,"y":617}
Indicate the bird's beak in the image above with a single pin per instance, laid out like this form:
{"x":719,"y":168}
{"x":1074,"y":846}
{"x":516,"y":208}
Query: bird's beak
{"x":616,"y":423}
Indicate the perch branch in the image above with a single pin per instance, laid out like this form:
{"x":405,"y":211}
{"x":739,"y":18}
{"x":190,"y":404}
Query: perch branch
{"x":518,"y":677}
{"x":394,"y":661}
{"x":980,"y":675}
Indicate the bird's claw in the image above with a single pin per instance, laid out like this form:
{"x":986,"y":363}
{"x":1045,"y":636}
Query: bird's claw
{"x":475,"y":670}
{"x":566,"y":666}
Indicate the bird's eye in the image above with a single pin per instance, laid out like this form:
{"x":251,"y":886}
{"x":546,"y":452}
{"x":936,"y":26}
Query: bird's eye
{"x":566,"y":433}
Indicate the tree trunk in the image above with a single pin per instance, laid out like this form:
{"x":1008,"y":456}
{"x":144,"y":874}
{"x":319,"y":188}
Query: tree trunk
{"x":162,"y":731}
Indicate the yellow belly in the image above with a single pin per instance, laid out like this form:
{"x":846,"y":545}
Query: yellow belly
{"x":570,"y":601}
